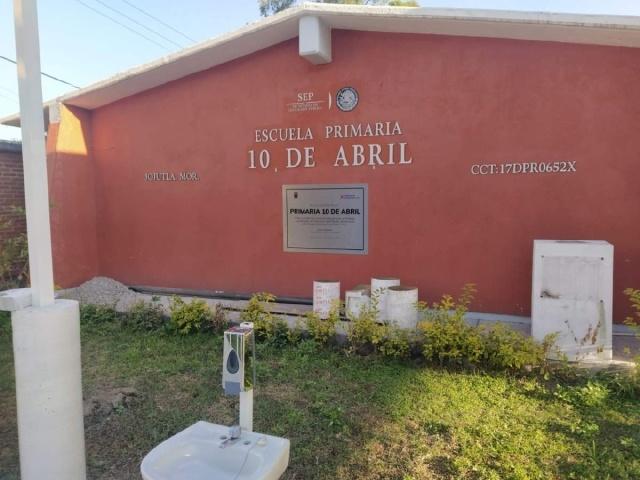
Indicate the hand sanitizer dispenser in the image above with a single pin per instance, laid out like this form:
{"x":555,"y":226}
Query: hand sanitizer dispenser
{"x":237,"y":363}
{"x":238,"y":369}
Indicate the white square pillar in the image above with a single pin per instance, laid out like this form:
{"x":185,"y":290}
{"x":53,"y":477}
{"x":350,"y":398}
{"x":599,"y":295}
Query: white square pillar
{"x":314,"y":40}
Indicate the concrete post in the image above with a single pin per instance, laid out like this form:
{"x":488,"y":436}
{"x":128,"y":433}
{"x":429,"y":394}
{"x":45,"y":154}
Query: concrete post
{"x":46,"y":352}
{"x":46,"y":333}
{"x":33,"y":152}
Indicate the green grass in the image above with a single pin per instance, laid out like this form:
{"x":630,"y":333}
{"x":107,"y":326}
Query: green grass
{"x":347,"y":416}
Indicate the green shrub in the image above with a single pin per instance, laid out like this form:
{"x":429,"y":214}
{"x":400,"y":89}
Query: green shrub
{"x":218,"y":322}
{"x":278,"y":335}
{"x":630,"y":384}
{"x":255,"y":311}
{"x":507,"y":349}
{"x":451,"y":341}
{"x":296,"y":334}
{"x":14,"y":254}
{"x":267,"y":326}
{"x":323,"y":330}
{"x":395,"y":342}
{"x":189,"y":317}
{"x":447,"y":338}
{"x":365,"y":333}
{"x":98,"y":314}
{"x":590,"y":395}
{"x":633,"y":320}
{"x":145,"y":316}
{"x":634,"y":298}
{"x":622,"y":384}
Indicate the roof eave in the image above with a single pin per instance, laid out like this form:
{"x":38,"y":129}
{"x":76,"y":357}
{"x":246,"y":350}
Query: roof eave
{"x":539,"y":26}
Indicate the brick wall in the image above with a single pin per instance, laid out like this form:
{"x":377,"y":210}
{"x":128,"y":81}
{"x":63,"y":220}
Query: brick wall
{"x":11,"y":188}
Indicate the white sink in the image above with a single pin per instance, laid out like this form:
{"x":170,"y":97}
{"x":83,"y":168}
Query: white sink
{"x":195,"y":454}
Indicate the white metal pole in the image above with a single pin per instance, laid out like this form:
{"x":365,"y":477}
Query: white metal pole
{"x":33,"y":152}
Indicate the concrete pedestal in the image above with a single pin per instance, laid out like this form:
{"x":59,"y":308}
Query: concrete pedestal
{"x":46,"y":347}
{"x":572,"y":297}
{"x":246,"y":410}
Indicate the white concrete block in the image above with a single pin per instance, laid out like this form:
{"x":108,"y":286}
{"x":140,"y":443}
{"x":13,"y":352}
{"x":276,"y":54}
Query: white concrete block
{"x":572,"y":295}
{"x":14,"y":300}
{"x":314,"y":40}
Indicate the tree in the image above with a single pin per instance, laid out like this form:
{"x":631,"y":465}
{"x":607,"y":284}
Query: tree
{"x":390,"y":3}
{"x":269,"y":7}
{"x":403,"y":3}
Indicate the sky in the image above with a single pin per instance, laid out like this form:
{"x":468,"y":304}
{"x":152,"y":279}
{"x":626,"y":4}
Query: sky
{"x":81,"y":46}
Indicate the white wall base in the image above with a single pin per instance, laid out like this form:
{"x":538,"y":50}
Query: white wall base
{"x":46,"y":347}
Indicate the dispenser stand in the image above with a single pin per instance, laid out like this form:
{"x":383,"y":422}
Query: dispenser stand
{"x":237,"y":363}
{"x":246,"y":410}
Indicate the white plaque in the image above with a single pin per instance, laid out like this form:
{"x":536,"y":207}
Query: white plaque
{"x":325,"y":218}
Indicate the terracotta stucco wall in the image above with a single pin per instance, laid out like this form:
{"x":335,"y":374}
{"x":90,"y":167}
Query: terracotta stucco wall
{"x":72,"y":175}
{"x":459,"y":101}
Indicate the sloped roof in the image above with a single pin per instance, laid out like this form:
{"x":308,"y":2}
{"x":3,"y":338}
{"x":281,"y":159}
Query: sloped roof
{"x":555,"y":27}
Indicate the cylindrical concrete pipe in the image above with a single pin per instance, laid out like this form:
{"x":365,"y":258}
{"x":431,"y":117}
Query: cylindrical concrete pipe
{"x":326,"y":294}
{"x":355,"y":301}
{"x":379,"y":286}
{"x":401,"y":306}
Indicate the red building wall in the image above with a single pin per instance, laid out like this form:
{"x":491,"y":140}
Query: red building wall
{"x":459,"y":101}
{"x":72,"y":177}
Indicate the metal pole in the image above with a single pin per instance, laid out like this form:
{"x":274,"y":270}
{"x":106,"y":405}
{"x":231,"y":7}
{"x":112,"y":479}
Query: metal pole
{"x":33,"y":152}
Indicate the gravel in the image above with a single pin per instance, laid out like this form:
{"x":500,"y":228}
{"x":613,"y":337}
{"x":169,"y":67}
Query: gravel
{"x":110,"y":292}
{"x":104,"y":291}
